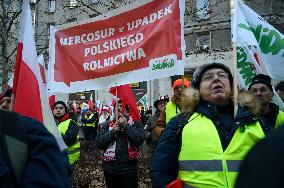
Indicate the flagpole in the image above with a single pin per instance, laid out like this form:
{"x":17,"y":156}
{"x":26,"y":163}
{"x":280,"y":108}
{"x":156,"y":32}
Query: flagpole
{"x":182,"y":82}
{"x":11,"y":107}
{"x":234,"y":58}
{"x":116,"y":105}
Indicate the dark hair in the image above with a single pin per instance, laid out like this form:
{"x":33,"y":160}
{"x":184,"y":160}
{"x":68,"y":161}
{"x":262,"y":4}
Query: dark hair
{"x":62,"y":103}
{"x":263,"y":79}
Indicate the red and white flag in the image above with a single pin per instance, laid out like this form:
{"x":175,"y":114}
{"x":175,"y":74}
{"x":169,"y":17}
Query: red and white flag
{"x":90,"y":102}
{"x":30,"y":94}
{"x":125,"y":93}
{"x":41,"y":67}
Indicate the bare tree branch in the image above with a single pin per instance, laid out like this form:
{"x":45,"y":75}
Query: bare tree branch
{"x":89,"y":7}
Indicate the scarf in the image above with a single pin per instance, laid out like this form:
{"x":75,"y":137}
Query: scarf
{"x":63,"y":118}
{"x":109,"y":154}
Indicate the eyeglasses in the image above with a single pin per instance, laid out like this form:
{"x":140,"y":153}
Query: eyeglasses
{"x":211,"y":76}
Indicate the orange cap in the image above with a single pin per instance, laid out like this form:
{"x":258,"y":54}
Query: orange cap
{"x":178,"y":82}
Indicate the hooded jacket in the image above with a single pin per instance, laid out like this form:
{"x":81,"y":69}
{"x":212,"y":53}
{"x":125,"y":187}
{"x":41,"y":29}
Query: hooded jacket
{"x":165,"y":163}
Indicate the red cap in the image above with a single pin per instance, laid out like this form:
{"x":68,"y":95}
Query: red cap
{"x":178,"y":82}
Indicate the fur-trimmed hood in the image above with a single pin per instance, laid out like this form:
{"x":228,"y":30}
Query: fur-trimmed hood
{"x":191,"y":98}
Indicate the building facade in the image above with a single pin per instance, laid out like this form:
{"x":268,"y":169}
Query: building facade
{"x":207,"y":31}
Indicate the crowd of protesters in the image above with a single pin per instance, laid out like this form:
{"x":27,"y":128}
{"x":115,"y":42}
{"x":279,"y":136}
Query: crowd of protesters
{"x":194,"y":139}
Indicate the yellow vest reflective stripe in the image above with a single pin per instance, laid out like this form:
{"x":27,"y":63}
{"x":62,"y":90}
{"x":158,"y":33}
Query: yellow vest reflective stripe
{"x":280,"y":119}
{"x":90,"y":124}
{"x":73,"y":150}
{"x":171,"y":111}
{"x":209,"y":165}
{"x":202,"y":161}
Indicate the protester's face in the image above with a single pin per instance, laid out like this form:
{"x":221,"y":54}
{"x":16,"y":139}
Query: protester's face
{"x":5,"y":103}
{"x":58,"y":110}
{"x":119,"y":107}
{"x":178,"y":91}
{"x":71,"y":111}
{"x":162,"y":104}
{"x":281,"y":94}
{"x":215,"y":87}
{"x":78,"y":111}
{"x":104,"y":112}
{"x":262,"y":92}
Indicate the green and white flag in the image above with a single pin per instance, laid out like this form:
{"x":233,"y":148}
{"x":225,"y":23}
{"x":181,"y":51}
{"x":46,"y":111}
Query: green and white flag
{"x":250,"y":29}
{"x":248,"y":65}
{"x":144,"y":100}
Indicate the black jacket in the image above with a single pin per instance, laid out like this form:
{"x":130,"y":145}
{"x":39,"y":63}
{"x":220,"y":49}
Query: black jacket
{"x":105,"y":137}
{"x":151,"y":139}
{"x":264,"y":164}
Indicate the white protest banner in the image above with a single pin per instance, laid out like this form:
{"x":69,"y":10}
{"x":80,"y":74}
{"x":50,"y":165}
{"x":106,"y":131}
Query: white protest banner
{"x":251,"y":29}
{"x":138,"y":42}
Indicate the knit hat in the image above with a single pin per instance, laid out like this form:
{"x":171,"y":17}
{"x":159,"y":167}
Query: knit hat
{"x":166,"y":98}
{"x":178,"y":82}
{"x":280,"y":86}
{"x":62,"y":103}
{"x":263,"y":79}
{"x":7,"y":93}
{"x":197,"y":76}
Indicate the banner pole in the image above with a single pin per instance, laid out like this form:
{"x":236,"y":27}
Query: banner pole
{"x":182,"y":82}
{"x":235,"y":84}
{"x":116,"y":105}
{"x":11,"y":107}
{"x":234,"y":58}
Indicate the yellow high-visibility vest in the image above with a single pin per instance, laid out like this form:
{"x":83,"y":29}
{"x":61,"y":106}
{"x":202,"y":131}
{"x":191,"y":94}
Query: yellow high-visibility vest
{"x":89,"y":124}
{"x":280,"y":119}
{"x":171,"y":111}
{"x":73,"y":150}
{"x":202,"y":161}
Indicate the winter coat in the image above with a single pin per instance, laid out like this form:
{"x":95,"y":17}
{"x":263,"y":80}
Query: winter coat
{"x":135,"y":135}
{"x":151,"y":138}
{"x":165,"y":163}
{"x":45,"y":163}
{"x":274,"y":118}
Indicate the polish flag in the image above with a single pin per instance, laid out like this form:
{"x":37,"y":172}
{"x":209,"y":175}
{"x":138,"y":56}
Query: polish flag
{"x":74,"y":105}
{"x":30,"y":94}
{"x":41,"y":67}
{"x":90,"y":102}
{"x":125,"y":93}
